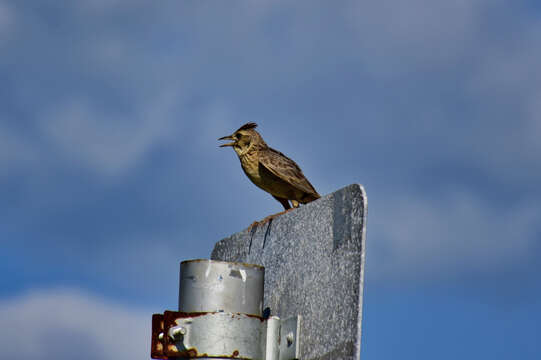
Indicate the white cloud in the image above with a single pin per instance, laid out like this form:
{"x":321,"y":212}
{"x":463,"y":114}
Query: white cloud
{"x":485,"y":54}
{"x":533,"y":125}
{"x":507,"y":82}
{"x":217,"y":120}
{"x":107,"y":144}
{"x":103,"y":6}
{"x":149,"y":264}
{"x":7,"y":20}
{"x":209,"y":61}
{"x":16,"y":152}
{"x":507,"y":67}
{"x":67,"y":324}
{"x":399,"y":36}
{"x":456,"y":233}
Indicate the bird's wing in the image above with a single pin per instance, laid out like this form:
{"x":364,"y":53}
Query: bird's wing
{"x":286,"y":169}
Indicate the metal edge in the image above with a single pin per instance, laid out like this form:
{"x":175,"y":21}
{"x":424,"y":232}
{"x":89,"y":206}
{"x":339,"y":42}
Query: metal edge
{"x":257,"y":267}
{"x":364,"y":200}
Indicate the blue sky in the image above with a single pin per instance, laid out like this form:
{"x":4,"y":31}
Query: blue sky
{"x":110,"y":172}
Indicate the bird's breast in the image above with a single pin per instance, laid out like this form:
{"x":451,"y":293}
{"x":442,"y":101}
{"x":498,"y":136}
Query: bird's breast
{"x":250,"y":165}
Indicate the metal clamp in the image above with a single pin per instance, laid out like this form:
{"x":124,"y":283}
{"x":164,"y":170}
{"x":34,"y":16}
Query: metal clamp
{"x":224,"y":335}
{"x":233,"y":328}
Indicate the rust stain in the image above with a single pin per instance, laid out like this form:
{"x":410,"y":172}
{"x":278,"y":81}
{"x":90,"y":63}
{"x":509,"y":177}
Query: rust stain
{"x":189,"y":353}
{"x":157,"y":345}
{"x":255,"y":316}
{"x":182,"y":315}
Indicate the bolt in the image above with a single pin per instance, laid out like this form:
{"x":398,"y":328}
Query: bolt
{"x":175,"y":331}
{"x":290,"y":338}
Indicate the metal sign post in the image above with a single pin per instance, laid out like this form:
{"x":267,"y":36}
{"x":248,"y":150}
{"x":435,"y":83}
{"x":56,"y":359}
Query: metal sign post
{"x":313,"y":259}
{"x":221,"y":316}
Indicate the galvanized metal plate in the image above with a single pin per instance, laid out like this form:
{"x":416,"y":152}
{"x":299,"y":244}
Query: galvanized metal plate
{"x":314,"y":266}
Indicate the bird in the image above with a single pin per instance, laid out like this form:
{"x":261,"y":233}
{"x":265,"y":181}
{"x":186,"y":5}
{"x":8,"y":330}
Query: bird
{"x":269,"y":169}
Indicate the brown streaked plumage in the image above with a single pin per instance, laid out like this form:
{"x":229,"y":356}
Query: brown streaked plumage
{"x":269,"y":169}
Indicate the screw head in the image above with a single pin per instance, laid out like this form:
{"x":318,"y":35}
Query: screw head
{"x":290,"y":338}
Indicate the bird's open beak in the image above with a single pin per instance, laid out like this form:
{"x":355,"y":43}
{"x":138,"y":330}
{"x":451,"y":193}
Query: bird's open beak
{"x":230,"y":137}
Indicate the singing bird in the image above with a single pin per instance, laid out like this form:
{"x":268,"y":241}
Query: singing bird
{"x":269,"y":169}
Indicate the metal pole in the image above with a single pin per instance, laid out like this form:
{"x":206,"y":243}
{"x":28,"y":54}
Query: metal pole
{"x":219,"y":286}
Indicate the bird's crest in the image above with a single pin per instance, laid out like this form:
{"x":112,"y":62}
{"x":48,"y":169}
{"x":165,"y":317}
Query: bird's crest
{"x":248,"y":126}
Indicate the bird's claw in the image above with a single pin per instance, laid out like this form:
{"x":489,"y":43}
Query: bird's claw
{"x":256,"y":224}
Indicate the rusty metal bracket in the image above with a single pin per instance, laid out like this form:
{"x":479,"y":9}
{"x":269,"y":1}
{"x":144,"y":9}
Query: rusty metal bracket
{"x":178,"y":334}
{"x":221,"y":317}
{"x":290,"y":335}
